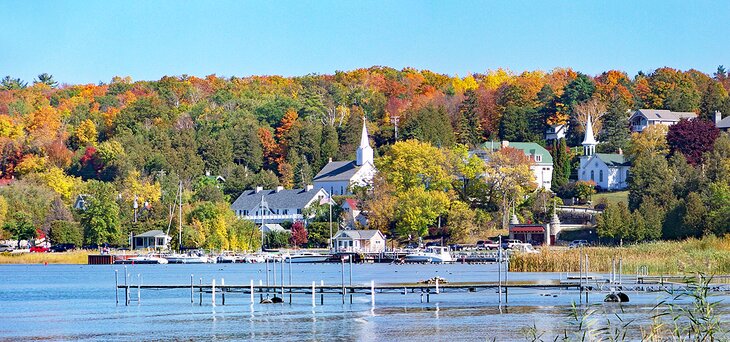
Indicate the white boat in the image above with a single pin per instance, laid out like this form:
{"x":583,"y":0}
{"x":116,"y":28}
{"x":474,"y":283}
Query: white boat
{"x":307,"y":257}
{"x":143,"y":260}
{"x":254,"y":258}
{"x":432,"y":254}
{"x":186,"y":259}
{"x":228,"y":259}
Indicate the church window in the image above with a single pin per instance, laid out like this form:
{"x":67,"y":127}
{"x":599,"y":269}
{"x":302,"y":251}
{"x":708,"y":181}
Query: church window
{"x":592,"y":176}
{"x":600,"y":175}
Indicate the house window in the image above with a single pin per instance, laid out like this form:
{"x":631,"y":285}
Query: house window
{"x":245,"y":213}
{"x":627,"y":174}
{"x":299,"y":211}
{"x":600,"y":175}
{"x":593,"y":178}
{"x":286,"y":211}
{"x":538,"y":158}
{"x":342,"y":190}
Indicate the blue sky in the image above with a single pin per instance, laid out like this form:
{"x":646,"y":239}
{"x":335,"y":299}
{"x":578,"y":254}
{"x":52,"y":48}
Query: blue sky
{"x":92,"y":41}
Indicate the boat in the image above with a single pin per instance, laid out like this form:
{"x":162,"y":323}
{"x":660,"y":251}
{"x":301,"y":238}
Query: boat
{"x":432,"y":254}
{"x":147,"y":259}
{"x":307,"y":257}
{"x":186,"y":259}
{"x":254,"y":258}
{"x":228,"y":258}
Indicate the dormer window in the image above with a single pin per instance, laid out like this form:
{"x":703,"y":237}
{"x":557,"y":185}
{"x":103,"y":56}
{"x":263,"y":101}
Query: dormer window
{"x":538,"y":158}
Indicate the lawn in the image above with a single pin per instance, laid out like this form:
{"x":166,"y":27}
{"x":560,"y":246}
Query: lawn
{"x":611,"y":197}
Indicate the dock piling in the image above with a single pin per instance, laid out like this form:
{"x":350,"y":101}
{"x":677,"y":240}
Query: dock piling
{"x":372,"y":293}
{"x":201,"y":291}
{"x":116,"y":286}
{"x":251,"y":291}
{"x":212,"y":292}
{"x":223,"y":292}
{"x":192,"y":301}
{"x":314,"y":304}
{"x":139,"y":288}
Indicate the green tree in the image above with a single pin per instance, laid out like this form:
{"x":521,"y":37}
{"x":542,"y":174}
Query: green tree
{"x":468,"y":125}
{"x":460,"y":222}
{"x":418,"y":209}
{"x":561,"y":164}
{"x":650,"y":176}
{"x":411,"y":163}
{"x":20,"y":226}
{"x":615,"y":134}
{"x":100,"y":220}
{"x":430,"y":124}
{"x":47,"y":80}
{"x":66,"y":232}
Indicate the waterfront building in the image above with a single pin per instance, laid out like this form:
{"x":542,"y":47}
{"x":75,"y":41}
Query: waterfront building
{"x":359,"y":241}
{"x":153,"y":239}
{"x":610,"y":171}
{"x":276,"y":205}
{"x":354,"y":217}
{"x":338,"y":177}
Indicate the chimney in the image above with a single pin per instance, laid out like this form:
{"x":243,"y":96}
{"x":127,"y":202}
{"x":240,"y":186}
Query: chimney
{"x":279,"y":188}
{"x":718,"y":117}
{"x":505,"y":143}
{"x":330,"y":160}
{"x":620,"y":151}
{"x":309,"y":187}
{"x":259,"y":189}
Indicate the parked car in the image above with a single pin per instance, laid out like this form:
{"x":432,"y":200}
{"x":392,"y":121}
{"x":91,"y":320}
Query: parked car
{"x":433,"y":243}
{"x":456,"y":247}
{"x":578,"y":243}
{"x":487,"y":244}
{"x":62,"y":247}
{"x":6,"y":248}
{"x":39,"y":249}
{"x":509,"y":243}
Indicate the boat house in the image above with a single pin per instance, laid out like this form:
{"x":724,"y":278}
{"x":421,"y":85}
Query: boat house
{"x":359,"y":241}
{"x":153,"y":239}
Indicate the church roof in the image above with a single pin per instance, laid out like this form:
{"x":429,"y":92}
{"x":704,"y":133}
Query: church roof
{"x":283,"y":199}
{"x":613,"y":159}
{"x":337,"y":171}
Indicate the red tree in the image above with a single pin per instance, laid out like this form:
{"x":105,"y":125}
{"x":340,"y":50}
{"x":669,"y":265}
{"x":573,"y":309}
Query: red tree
{"x":298,"y":234}
{"x":692,"y":138}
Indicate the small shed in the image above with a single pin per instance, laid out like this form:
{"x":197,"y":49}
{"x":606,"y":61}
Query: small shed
{"x":153,"y":239}
{"x":359,"y":241}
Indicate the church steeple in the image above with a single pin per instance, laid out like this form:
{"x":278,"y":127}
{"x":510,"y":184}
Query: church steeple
{"x":364,"y":151}
{"x":589,"y":142}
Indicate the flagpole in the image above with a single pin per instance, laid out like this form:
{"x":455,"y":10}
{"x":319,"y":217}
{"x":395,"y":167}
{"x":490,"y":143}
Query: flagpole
{"x":330,"y":204}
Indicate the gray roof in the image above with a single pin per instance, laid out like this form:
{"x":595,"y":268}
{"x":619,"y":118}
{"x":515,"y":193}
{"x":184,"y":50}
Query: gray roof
{"x":284,"y":199}
{"x":363,"y":234}
{"x":666,"y":115}
{"x":337,"y":171}
{"x":152,"y":233}
{"x":724,"y":123}
{"x":613,"y":159}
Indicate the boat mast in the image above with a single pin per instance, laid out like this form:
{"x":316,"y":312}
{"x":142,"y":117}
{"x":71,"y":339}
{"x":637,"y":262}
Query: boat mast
{"x":262,"y":222}
{"x":179,"y":221}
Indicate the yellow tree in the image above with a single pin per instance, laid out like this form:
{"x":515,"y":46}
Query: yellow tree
{"x":86,"y":133}
{"x":652,"y":140}
{"x":66,"y":186}
{"x":509,"y":178}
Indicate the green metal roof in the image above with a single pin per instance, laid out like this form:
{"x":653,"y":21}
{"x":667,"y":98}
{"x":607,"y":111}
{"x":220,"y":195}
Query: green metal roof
{"x":613,"y":159}
{"x":529,"y":148}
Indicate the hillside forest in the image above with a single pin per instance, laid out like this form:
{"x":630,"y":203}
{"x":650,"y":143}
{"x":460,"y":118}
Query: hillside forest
{"x":128,"y":141}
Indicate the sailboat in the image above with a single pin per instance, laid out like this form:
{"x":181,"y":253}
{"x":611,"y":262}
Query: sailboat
{"x":182,"y":258}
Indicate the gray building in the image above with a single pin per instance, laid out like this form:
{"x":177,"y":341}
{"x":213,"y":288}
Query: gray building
{"x":276,"y":205}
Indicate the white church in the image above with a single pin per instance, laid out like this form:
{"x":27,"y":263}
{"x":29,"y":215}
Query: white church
{"x":338,"y":177}
{"x":610,"y":171}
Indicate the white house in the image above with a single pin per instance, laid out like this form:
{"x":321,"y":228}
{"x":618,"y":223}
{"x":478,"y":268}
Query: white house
{"x":359,"y":241}
{"x":722,"y":124}
{"x":643,"y":118}
{"x":541,"y":162}
{"x":555,"y":132}
{"x":337,"y":177}
{"x":610,"y":171}
{"x":276,"y":206}
{"x":153,"y":239}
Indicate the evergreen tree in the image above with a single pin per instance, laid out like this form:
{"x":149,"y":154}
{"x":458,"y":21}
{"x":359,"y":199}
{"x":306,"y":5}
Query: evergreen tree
{"x":561,"y":164}
{"x":615,"y":131}
{"x":468,"y":125}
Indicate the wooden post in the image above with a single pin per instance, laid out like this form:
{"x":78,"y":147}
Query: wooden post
{"x":223,"y":292}
{"x":342,"y":273}
{"x":126,"y":287}
{"x":350,"y":279}
{"x":212,"y":292}
{"x":580,"y":277}
{"x":267,"y":272}
{"x":251,"y":291}
{"x":321,"y":291}
{"x":282,"y":279}
{"x":116,"y":286}
{"x":200,"y":290}
{"x":290,"y":280}
{"x":437,"y":285}
{"x":314,"y":302}
{"x":191,"y":290}
{"x":620,"y":270}
{"x":372,"y":293}
{"x":261,"y":290}
{"x":139,"y":288}
{"x":499,"y":270}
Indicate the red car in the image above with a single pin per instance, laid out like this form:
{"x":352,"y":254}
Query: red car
{"x":39,"y":249}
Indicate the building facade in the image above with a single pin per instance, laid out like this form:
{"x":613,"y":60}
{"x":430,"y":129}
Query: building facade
{"x":610,"y":171}
{"x":277,"y":205}
{"x":541,"y":162}
{"x":644,"y":118}
{"x":338,"y":177}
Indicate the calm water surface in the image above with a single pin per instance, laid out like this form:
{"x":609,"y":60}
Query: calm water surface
{"x":77,"y":302}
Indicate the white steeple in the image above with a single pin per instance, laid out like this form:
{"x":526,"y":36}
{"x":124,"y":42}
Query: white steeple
{"x":589,"y":142}
{"x":364,"y":151}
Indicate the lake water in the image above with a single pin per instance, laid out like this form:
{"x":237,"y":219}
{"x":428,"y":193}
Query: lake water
{"x":77,"y":302}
